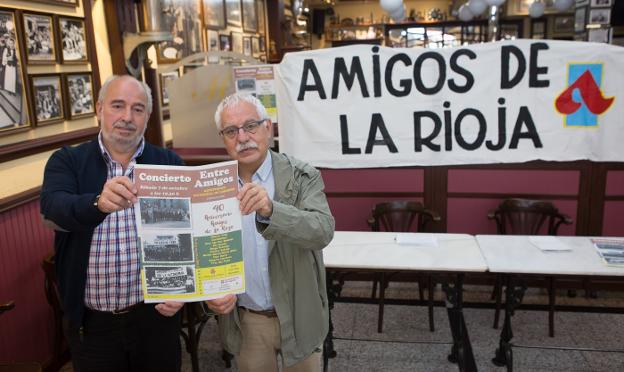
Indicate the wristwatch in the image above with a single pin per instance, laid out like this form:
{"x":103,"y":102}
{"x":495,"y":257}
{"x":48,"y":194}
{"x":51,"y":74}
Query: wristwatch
{"x":97,"y":199}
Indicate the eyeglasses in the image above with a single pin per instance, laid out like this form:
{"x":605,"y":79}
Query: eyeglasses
{"x":250,"y":126}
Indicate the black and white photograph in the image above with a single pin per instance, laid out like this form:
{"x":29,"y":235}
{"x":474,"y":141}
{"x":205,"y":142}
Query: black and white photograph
{"x":246,"y":85}
{"x":225,"y":43}
{"x":233,"y":13}
{"x":80,"y":94}
{"x":13,"y":106}
{"x":237,"y":42}
{"x":181,"y":18}
{"x":47,"y":98}
{"x":579,"y":19}
{"x":167,"y":248}
{"x":250,"y":16}
{"x":39,"y":34}
{"x":600,"y":16}
{"x":261,"y":12}
{"x":601,"y":3}
{"x":165,"y":79}
{"x":255,"y":46}
{"x":599,"y":35}
{"x":73,"y":40}
{"x":172,"y":213}
{"x":214,"y":14}
{"x":170,"y":279}
{"x":247,"y":45}
{"x":212,"y":40}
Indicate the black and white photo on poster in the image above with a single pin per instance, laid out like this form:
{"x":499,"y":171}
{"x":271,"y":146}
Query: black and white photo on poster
{"x":166,"y":247}
{"x":73,"y":39}
{"x":174,"y":213}
{"x":13,"y":107}
{"x":182,"y":19}
{"x":170,"y":279}
{"x":80,"y":94}
{"x":39,"y":35}
{"x":47,"y":98}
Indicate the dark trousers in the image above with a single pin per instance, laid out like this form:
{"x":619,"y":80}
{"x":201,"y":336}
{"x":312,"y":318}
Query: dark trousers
{"x":140,"y":340}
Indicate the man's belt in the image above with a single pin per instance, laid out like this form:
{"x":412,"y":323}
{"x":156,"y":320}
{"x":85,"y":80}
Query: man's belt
{"x":267,"y":313}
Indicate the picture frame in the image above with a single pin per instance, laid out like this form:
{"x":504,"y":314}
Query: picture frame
{"x":599,"y":35}
{"x":165,"y":79}
{"x":214,"y":14}
{"x":247,"y":45}
{"x":563,"y":24}
{"x":13,"y":76}
{"x":261,"y":44}
{"x":233,"y":13}
{"x":47,"y":98}
{"x":255,"y":46}
{"x":250,"y":16}
{"x":580,"y":18}
{"x":601,"y":3}
{"x":181,"y":18}
{"x":72,"y":40}
{"x":521,"y":7}
{"x":260,"y":6}
{"x":237,"y":42}
{"x":599,"y":16}
{"x":40,"y":39}
{"x":579,"y":3}
{"x":68,"y":3}
{"x":212,"y":40}
{"x":538,"y":28}
{"x":225,"y":42}
{"x":79,"y":94}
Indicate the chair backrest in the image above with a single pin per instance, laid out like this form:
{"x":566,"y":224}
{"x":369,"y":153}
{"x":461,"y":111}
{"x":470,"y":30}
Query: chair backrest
{"x":51,"y":284}
{"x":6,"y":307}
{"x":401,"y":216}
{"x":527,"y":217}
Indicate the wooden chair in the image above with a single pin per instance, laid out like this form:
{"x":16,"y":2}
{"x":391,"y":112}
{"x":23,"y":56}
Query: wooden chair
{"x":402,"y":216}
{"x":528,"y":217}
{"x":21,"y":366}
{"x":60,"y":353}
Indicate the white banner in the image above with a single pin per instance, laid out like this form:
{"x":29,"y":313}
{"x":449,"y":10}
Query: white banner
{"x":514,"y":101}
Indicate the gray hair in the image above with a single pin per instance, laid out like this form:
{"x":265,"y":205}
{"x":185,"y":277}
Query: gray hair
{"x":146,"y":90}
{"x":236,"y":99}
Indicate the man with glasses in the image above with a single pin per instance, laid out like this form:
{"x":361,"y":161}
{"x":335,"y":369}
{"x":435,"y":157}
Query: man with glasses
{"x":286,"y":224}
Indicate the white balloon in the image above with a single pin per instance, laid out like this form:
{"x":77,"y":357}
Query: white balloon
{"x":390,"y":5}
{"x":477,"y":6}
{"x":536,"y":9}
{"x":563,"y":5}
{"x":494,"y":2}
{"x":398,"y":14}
{"x":464,"y":13}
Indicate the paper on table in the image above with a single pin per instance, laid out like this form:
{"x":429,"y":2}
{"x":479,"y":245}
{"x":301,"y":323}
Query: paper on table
{"x":425,"y":240}
{"x":549,"y":243}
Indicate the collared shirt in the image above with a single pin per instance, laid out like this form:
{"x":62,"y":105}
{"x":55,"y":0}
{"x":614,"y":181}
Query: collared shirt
{"x":113,"y":274}
{"x":257,"y":294}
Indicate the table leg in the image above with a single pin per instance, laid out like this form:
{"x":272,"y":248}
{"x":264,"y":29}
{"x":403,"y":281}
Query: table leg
{"x":513,"y":299}
{"x":461,"y":352}
{"x":333,"y":291}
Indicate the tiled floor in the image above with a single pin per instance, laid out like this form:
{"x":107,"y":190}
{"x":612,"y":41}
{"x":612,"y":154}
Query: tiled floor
{"x":409,"y":324}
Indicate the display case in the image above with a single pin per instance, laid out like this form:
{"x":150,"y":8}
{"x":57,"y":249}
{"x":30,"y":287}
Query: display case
{"x":435,"y":34}
{"x":338,"y":34}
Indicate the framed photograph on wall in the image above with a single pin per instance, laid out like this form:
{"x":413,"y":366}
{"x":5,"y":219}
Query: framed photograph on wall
{"x":73,"y":40}
{"x":12,"y":76}
{"x":261,"y":15}
{"x":255,"y":46}
{"x":212,"y":39}
{"x":39,"y":38}
{"x":165,"y":79}
{"x":47,"y":98}
{"x":79,"y":95}
{"x":601,"y":3}
{"x":225,"y":43}
{"x":580,"y":15}
{"x":237,"y":42}
{"x":233,"y":13}
{"x":250,"y":16}
{"x":599,"y":35}
{"x":181,"y":18}
{"x":73,"y":3}
{"x":600,"y":16}
{"x":214,"y":14}
{"x":261,"y":44}
{"x":538,"y":28}
{"x":247,"y":45}
{"x":563,"y":25}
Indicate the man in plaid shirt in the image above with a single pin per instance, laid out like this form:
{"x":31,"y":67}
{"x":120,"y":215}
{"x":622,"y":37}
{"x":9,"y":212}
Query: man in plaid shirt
{"x":87,"y":195}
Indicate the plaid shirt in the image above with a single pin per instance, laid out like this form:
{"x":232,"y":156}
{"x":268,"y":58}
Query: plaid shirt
{"x":113,"y":274}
